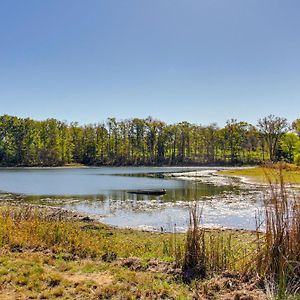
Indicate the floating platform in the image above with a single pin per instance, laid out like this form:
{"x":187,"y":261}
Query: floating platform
{"x":148,"y":192}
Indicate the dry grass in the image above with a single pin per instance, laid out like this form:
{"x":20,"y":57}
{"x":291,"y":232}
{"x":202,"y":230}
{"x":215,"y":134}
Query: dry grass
{"x":279,"y":256}
{"x":32,"y":228}
{"x":208,"y":253}
{"x":42,"y":255}
{"x":37,"y":275}
{"x":202,"y":254}
{"x":194,"y":264}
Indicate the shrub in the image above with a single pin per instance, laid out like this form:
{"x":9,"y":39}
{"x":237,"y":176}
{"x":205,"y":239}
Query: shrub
{"x":297,"y":159}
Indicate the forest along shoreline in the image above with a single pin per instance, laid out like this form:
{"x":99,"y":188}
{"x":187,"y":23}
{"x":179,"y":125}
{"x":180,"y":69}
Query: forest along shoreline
{"x":151,"y":142}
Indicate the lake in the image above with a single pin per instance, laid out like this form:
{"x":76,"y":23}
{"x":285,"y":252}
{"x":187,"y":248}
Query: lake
{"x":103,"y":193}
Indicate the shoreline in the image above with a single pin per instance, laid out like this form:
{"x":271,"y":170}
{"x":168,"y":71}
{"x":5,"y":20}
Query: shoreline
{"x":56,"y":212}
{"x":251,"y":180}
{"x":19,"y":199}
{"x":244,"y":179}
{"x":79,"y":166}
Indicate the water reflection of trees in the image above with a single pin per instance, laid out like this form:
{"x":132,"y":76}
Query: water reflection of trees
{"x":190,"y":192}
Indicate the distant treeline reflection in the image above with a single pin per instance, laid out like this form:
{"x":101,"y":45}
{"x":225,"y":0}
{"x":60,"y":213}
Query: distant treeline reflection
{"x":190,"y":192}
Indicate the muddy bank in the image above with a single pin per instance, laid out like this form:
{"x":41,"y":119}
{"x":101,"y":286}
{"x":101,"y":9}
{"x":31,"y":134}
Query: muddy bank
{"x":54,"y":213}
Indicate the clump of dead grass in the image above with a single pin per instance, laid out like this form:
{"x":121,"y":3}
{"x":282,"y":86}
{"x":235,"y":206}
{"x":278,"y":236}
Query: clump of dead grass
{"x":278,"y":260}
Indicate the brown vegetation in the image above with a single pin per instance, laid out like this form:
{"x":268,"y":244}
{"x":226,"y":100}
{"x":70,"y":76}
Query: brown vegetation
{"x":279,"y":257}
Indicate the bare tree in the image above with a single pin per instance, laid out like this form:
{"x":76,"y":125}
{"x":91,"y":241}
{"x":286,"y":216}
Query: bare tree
{"x":272,"y":129}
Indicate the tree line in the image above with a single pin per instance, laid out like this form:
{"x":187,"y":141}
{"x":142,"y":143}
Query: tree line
{"x":27,"y":142}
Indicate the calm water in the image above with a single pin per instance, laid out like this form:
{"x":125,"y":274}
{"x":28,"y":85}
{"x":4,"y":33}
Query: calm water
{"x":102,"y":192}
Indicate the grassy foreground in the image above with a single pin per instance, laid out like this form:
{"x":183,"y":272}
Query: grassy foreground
{"x":44,"y":257}
{"x":267,"y":174}
{"x":49,"y":253}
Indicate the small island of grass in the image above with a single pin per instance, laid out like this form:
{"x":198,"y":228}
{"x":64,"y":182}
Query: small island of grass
{"x":267,"y":174}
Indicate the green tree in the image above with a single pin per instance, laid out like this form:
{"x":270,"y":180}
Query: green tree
{"x":272,"y":129}
{"x":296,"y":126}
{"x":290,"y":145}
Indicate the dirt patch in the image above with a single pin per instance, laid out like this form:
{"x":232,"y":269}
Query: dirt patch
{"x":6,"y":294}
{"x":132,"y":263}
{"x":100,"y":279}
{"x":46,"y":212}
{"x":231,"y":286}
{"x":155,"y":265}
{"x":244,"y":295}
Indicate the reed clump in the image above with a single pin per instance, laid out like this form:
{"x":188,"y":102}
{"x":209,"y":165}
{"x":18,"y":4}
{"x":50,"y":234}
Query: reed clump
{"x":279,"y":252}
{"x":209,"y":252}
{"x":194,"y":263}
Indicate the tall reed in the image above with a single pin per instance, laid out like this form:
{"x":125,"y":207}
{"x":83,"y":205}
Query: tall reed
{"x":208,"y":251}
{"x":279,"y":257}
{"x":194,"y":263}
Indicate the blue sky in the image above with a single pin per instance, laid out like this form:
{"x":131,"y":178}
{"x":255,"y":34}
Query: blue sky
{"x":201,"y":61}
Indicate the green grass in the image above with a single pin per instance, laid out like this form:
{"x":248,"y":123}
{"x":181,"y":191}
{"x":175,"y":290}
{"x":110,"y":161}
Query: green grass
{"x":30,"y":228}
{"x":45,"y":257}
{"x":291,"y":175}
{"x":60,"y":259}
{"x":78,"y":238}
{"x":39,"y":276}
